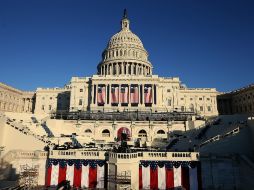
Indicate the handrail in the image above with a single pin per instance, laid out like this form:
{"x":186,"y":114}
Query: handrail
{"x":219,"y":137}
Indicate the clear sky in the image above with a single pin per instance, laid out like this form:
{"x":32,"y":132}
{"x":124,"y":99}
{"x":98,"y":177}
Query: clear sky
{"x":43,"y":43}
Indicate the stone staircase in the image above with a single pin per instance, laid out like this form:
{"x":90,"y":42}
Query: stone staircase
{"x":24,"y":129}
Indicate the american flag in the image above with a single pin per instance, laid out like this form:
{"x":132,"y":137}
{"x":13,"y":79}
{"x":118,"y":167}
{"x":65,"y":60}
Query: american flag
{"x":124,"y":94}
{"x":134,"y":94}
{"x":169,"y":175}
{"x":115,"y":94}
{"x":148,"y":94}
{"x":101,"y":95}
{"x":80,"y":173}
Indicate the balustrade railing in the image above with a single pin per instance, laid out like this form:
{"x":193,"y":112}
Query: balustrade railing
{"x":77,"y":154}
{"x":18,"y":154}
{"x":183,"y":156}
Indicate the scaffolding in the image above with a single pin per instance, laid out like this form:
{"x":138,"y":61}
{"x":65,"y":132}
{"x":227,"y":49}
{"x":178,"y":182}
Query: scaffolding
{"x":122,"y":180}
{"x":29,"y":175}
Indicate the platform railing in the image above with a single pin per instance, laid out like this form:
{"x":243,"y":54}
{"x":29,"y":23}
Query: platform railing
{"x":172,"y":156}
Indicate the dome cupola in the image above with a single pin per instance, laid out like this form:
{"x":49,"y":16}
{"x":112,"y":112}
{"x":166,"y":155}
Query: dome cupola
{"x":125,"y":54}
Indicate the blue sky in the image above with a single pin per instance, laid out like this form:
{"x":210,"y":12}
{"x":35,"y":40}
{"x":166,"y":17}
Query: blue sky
{"x":43,"y":43}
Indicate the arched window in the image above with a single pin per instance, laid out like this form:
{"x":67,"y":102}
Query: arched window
{"x":88,"y":131}
{"x":142,"y":133}
{"x":160,"y":132}
{"x":105,"y":133}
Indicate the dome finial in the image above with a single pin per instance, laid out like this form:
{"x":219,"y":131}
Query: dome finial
{"x":125,"y":21}
{"x":125,"y":13}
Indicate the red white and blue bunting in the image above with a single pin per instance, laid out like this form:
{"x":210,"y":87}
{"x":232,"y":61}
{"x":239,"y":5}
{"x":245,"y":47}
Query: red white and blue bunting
{"x":169,"y":175}
{"x":80,"y":173}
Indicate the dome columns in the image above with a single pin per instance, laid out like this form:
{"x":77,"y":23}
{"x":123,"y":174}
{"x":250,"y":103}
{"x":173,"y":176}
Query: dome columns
{"x":124,"y":68}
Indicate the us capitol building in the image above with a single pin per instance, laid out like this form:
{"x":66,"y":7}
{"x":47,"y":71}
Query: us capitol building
{"x":125,"y":82}
{"x":126,"y":128}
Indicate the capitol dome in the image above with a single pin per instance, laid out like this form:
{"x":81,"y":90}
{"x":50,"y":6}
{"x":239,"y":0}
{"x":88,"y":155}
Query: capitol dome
{"x":125,"y":54}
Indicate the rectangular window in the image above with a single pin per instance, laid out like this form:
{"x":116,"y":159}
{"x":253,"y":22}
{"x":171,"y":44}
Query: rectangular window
{"x":49,"y":107}
{"x":182,"y":98}
{"x":201,"y":108}
{"x":191,"y":98}
{"x":80,"y":102}
{"x":208,"y":99}
{"x":168,"y":90}
{"x":208,"y":108}
{"x":200,"y":98}
{"x":42,"y":107}
{"x":169,"y":102}
{"x":80,"y":90}
{"x":50,"y":98}
{"x":182,"y":108}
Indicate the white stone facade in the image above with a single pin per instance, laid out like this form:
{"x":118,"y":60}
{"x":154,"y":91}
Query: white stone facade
{"x":125,"y":68}
{"x":14,"y":100}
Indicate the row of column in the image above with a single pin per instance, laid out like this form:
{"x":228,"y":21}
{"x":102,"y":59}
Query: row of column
{"x":108,"y":98}
{"x":125,"y":68}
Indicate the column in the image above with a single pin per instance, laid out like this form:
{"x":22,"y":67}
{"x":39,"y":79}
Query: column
{"x":104,"y":69}
{"x":95,"y":89}
{"x":132,"y":68}
{"x":152,"y":94}
{"x":106,"y":94}
{"x":122,"y":68}
{"x":142,"y":94}
{"x":129,"y":95}
{"x":92,"y":94}
{"x":117,"y":69}
{"x":139,"y":93}
{"x":119,"y":90}
{"x":110,"y":94}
